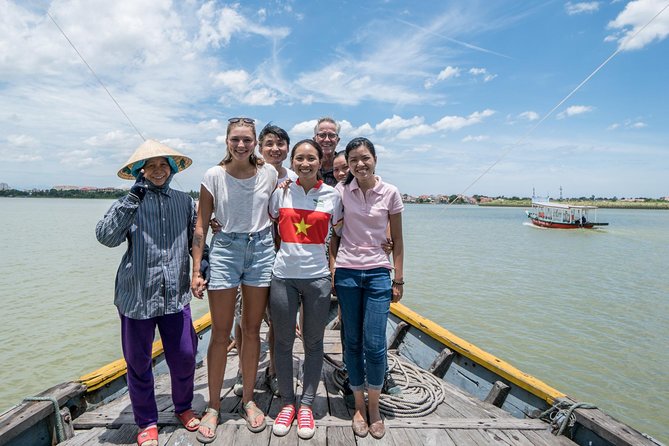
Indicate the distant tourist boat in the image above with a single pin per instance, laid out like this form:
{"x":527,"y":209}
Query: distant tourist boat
{"x":562,"y":216}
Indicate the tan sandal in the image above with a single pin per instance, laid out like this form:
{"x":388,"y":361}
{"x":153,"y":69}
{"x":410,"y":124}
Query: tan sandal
{"x":209,"y":421}
{"x":250,"y":412}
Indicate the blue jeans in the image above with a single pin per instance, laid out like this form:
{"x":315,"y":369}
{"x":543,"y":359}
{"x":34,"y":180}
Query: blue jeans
{"x":364,"y":297}
{"x":237,"y":257}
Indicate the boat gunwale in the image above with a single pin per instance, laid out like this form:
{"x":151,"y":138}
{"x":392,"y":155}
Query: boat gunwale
{"x":496,"y":365}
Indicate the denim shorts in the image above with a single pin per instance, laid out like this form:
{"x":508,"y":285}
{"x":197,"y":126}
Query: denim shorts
{"x":241,"y":258}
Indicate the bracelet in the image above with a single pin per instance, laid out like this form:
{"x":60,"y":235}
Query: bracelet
{"x":398,"y":282}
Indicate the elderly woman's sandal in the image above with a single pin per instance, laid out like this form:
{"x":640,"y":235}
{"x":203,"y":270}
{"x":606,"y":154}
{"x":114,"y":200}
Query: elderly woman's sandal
{"x":189,"y":420}
{"x":148,"y":436}
{"x":206,"y":432}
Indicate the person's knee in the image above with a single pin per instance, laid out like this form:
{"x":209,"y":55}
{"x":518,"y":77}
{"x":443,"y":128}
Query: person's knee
{"x":251,"y":331}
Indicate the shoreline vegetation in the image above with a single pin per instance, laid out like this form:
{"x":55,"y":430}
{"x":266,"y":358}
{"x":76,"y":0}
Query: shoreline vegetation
{"x":477,"y":200}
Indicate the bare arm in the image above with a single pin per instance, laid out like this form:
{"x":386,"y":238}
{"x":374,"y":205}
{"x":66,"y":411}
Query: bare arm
{"x":398,"y":255}
{"x":204,"y":210}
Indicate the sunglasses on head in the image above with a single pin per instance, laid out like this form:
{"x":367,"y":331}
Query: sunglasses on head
{"x":244,"y":120}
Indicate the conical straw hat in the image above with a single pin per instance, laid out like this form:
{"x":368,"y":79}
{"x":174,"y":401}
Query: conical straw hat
{"x":149,"y":149}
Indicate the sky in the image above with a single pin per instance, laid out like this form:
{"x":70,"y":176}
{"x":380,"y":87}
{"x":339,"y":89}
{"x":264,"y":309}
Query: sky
{"x":463,"y":96}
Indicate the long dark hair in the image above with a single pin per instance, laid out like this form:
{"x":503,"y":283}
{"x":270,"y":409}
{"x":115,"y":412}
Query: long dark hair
{"x":352,"y":145}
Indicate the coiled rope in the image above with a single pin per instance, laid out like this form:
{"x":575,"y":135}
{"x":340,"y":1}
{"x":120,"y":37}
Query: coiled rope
{"x":561,"y":415}
{"x":421,"y":392}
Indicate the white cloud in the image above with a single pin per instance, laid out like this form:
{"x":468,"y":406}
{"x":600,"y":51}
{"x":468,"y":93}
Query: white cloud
{"x":575,"y":110}
{"x":637,"y":14}
{"x":451,"y":123}
{"x":478,"y":138}
{"x":218,"y":26}
{"x":397,"y":122}
{"x":211,"y":124}
{"x":237,"y":86}
{"x":582,"y":7}
{"x":487,"y":77}
{"x":21,"y":141}
{"x":529,"y":115}
{"x":304,"y":129}
{"x":446,"y":73}
{"x":628,"y":124}
{"x":418,"y":130}
{"x":365,"y":130}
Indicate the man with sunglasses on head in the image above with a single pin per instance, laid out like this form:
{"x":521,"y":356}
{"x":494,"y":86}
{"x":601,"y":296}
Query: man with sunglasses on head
{"x":326,"y":133}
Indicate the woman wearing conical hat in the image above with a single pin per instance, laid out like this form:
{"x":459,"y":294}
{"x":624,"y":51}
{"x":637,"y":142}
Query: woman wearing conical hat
{"x":152,"y":281}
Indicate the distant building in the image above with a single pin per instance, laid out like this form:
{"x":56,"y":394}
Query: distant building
{"x":4,"y":186}
{"x":66,"y":187}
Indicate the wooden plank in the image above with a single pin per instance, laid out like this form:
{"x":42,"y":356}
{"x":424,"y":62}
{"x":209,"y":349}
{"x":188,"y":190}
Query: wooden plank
{"x":465,"y":438}
{"x":225,"y":435}
{"x":337,"y":436}
{"x":25,"y":415}
{"x":245,"y":437}
{"x":124,"y":436}
{"x":507,"y":437}
{"x":320,"y":438}
{"x":84,"y":437}
{"x":410,"y":437}
{"x":433,"y":437}
{"x":339,"y":421}
{"x":611,"y":429}
{"x":547,"y":438}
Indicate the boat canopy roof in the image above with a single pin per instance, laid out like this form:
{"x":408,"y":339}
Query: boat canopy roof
{"x":560,"y":205}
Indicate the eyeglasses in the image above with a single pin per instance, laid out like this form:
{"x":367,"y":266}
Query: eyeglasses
{"x":324,"y":135}
{"x":244,"y":120}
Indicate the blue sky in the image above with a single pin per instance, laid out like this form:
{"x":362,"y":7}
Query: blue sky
{"x":456,"y":95}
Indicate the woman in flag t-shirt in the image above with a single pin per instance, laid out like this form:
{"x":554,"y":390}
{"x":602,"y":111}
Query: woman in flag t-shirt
{"x":304,"y":212}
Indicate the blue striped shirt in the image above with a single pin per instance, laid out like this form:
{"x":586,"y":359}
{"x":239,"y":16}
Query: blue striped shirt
{"x":153,"y":277}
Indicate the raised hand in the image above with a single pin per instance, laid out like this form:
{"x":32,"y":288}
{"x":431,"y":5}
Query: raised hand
{"x":138,"y":190}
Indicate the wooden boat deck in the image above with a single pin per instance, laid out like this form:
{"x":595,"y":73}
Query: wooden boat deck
{"x":460,"y":420}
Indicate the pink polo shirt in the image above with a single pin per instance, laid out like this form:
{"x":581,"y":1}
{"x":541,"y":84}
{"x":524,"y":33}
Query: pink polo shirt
{"x":365,"y":221}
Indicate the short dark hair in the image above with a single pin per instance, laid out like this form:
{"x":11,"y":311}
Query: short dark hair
{"x":271,"y":129}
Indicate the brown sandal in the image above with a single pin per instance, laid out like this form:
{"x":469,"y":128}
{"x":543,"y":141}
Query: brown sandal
{"x":377,"y":429}
{"x":360,"y":428}
{"x":189,"y":420}
{"x":148,"y":436}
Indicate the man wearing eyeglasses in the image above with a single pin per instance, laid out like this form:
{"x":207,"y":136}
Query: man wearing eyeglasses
{"x":326,"y":133}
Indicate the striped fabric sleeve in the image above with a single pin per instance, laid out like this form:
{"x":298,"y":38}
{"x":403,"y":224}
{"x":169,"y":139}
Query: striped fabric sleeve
{"x":112,"y":229}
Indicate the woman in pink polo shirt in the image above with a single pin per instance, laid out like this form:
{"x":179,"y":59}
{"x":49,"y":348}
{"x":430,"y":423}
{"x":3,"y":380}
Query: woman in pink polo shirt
{"x":363,"y":278}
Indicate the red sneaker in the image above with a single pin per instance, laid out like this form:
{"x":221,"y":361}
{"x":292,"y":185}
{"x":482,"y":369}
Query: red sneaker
{"x":305,"y":423}
{"x":284,"y":420}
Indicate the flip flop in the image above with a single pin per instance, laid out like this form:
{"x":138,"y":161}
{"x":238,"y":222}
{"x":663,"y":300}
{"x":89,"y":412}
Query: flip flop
{"x":189,"y":420}
{"x":148,"y":436}
{"x":254,"y":413}
{"x":210,"y":421}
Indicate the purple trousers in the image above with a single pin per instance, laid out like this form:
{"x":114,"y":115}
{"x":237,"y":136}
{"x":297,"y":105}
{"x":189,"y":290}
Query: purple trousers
{"x":180,"y":345}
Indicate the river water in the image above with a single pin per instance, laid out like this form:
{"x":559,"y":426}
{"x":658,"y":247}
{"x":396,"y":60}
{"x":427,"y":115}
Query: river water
{"x":586,"y":311}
